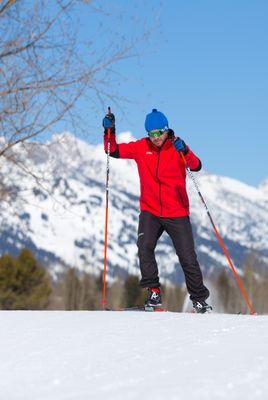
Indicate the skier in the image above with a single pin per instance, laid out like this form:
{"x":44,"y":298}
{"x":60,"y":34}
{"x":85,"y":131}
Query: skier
{"x":163,"y":202}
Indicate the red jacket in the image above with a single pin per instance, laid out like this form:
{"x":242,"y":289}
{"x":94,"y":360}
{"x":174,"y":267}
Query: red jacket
{"x":162,"y":175}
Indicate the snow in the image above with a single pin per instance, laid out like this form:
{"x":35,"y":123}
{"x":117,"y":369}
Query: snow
{"x":264,"y":186}
{"x":125,"y":137}
{"x":60,"y":355}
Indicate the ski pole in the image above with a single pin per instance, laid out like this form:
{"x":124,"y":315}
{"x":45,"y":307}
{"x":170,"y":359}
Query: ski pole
{"x":221,"y":242}
{"x":104,"y":276}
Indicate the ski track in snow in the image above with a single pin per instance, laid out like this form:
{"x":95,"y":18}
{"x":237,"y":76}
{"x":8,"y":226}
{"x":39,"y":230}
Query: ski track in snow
{"x":62,"y":355}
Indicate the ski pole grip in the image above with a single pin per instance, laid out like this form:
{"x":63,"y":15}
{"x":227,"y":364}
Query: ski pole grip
{"x":109,"y":129}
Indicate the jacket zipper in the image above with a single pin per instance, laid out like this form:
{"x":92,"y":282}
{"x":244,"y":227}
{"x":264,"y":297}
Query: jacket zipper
{"x":160,"y":200}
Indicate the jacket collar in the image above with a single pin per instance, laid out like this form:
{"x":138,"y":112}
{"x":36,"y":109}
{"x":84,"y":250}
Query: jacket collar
{"x":167,"y":144}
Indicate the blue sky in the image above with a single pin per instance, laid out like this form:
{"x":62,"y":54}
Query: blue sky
{"x":205,"y":66}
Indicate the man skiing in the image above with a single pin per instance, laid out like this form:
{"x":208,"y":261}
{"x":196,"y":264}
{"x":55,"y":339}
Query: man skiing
{"x":164,"y":203}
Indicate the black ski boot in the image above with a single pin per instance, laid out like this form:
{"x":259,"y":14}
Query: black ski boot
{"x":201,"y":307}
{"x":154,"y":298}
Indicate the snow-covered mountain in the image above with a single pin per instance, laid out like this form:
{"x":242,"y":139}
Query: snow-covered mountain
{"x":54,"y":203}
{"x":264,"y":186}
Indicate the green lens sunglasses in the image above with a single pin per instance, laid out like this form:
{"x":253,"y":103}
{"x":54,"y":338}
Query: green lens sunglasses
{"x":156,"y":133}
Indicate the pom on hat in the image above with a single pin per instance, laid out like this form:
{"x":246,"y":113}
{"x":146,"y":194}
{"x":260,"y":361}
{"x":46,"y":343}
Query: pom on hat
{"x":155,"y":120}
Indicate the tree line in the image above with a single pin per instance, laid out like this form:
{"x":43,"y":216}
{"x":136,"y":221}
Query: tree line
{"x":26,"y":285}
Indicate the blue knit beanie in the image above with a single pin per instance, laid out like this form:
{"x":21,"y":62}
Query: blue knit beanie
{"x":155,"y":120}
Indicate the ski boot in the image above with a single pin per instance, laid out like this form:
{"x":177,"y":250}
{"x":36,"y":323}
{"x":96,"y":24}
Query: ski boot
{"x":154,"y":298}
{"x":201,"y":307}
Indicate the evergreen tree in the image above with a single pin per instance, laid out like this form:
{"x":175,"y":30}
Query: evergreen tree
{"x":89,"y":299}
{"x":56,"y":300}
{"x":24,"y":284}
{"x":255,"y":279}
{"x":260,"y":299}
{"x":134,"y":295}
{"x":228,"y":293}
{"x":72,"y":287}
{"x":173,"y":297}
{"x":116,"y":295}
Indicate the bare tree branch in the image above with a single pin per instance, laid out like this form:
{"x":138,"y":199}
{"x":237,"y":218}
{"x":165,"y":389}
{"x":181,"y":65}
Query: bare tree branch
{"x":37,"y":38}
{"x":46,"y":69}
{"x":8,"y":4}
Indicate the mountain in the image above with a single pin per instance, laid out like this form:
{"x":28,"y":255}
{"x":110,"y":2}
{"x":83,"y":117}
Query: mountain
{"x":264,"y":186}
{"x":53,"y":201}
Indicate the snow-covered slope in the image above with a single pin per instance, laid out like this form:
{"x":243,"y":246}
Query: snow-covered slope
{"x":132,"y":355}
{"x":58,"y":210}
{"x":264,"y":187}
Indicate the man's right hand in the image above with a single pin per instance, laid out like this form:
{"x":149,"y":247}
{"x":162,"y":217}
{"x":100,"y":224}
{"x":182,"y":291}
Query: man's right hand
{"x":108,"y":122}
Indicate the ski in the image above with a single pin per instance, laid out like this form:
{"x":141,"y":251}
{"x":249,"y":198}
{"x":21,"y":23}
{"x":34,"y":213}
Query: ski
{"x":138,"y":308}
{"x":155,"y":309}
{"x":144,"y":308}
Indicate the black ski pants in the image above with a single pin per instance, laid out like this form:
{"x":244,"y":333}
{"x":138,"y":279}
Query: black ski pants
{"x":179,"y":229}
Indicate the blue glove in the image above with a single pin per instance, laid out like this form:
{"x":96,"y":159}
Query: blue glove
{"x":108,"y":122}
{"x":180,"y":145}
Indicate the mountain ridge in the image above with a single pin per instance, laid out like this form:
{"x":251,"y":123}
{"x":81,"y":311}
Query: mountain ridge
{"x":58,"y":211}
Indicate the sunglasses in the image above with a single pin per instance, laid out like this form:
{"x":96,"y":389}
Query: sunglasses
{"x":156,"y":132}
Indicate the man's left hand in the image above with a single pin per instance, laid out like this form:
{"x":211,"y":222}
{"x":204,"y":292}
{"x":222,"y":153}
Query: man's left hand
{"x":180,"y":145}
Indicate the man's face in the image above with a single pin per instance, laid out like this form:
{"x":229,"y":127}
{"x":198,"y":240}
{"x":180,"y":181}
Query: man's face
{"x":159,"y":140}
